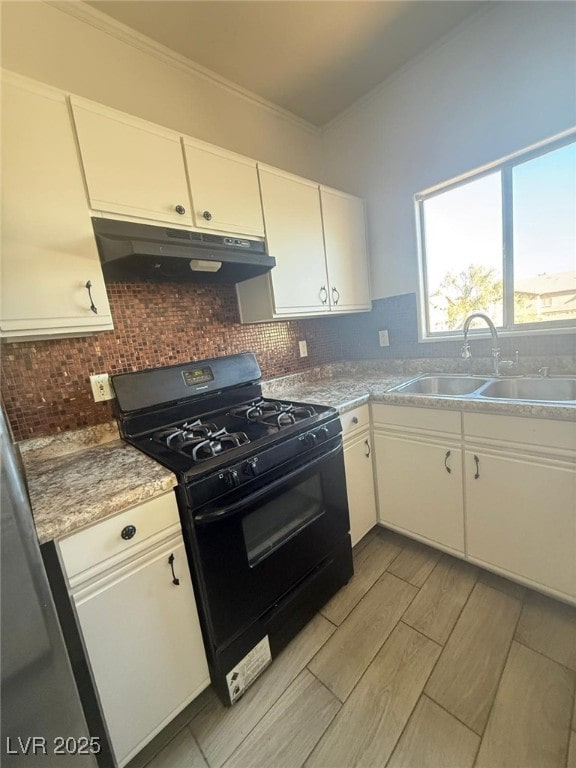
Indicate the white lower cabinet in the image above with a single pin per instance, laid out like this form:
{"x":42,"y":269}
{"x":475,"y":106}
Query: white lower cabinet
{"x":420,"y":488}
{"x":419,"y":480}
{"x":139,"y":627}
{"x":510,"y":506}
{"x":419,"y":473}
{"x":360,"y":483}
{"x":521,"y":500}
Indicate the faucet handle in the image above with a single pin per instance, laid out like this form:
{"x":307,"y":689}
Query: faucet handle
{"x":508,"y":364}
{"x":465,"y":352}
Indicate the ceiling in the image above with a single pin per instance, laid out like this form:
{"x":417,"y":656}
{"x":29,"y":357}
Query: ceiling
{"x":313,"y":58}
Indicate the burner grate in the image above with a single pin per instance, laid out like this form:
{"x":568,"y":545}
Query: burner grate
{"x":273,"y":413}
{"x":199,"y":440}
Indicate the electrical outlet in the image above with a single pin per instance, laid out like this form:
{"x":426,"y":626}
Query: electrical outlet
{"x":101,"y":388}
{"x":303,"y":348}
{"x":383,"y":338}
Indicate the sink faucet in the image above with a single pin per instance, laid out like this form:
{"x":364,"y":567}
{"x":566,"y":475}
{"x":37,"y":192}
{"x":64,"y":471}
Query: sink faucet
{"x":496,"y":362}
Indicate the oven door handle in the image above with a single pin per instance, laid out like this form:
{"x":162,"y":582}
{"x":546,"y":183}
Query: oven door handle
{"x":223,"y":513}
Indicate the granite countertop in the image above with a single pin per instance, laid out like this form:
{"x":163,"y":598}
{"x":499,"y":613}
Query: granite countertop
{"x":346,"y":389}
{"x":82,"y":476}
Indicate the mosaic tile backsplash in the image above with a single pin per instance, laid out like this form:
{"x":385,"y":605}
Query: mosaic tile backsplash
{"x":45,"y":384}
{"x":46,"y":387}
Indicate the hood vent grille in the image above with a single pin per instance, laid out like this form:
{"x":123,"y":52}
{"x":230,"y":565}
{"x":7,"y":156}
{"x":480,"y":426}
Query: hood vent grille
{"x":182,"y":234}
{"x":141,"y":252}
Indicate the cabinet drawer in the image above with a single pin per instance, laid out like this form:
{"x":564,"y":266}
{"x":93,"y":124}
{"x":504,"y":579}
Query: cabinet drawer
{"x":102,"y":543}
{"x":356,"y":420}
{"x":417,"y":419}
{"x":529,"y":432}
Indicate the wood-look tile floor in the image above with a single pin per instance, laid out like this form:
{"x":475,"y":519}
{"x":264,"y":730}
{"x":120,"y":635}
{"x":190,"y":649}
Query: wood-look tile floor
{"x":421,"y":661}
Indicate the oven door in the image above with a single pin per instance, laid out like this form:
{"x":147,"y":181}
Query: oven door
{"x":256,"y":547}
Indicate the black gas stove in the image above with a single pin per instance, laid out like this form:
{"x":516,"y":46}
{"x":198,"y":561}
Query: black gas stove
{"x":262,"y":499}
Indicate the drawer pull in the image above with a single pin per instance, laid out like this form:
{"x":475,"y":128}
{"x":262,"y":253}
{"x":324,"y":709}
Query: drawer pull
{"x":171,"y":562}
{"x":128,"y":532}
{"x":446,"y":462}
{"x":368,"y":449}
{"x":477,"y":460}
{"x":354,"y":419}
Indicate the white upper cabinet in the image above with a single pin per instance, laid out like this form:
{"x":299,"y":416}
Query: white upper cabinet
{"x":294,"y":235}
{"x":132,"y":167}
{"x":318,"y":238}
{"x":224,"y":189}
{"x":346,"y":252}
{"x":139,"y":169}
{"x":48,"y":248}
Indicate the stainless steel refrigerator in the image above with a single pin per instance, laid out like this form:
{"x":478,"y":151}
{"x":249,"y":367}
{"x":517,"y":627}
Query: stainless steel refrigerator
{"x":42,"y":719}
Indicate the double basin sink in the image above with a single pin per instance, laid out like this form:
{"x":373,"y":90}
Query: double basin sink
{"x":535,"y":389}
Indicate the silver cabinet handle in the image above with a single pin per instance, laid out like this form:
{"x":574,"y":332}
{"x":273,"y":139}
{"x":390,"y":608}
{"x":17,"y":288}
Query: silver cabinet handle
{"x":368,"y":449}
{"x":335,"y":295}
{"x":477,"y":462}
{"x":180,"y":209}
{"x":448,"y":454}
{"x":323,"y":298}
{"x":207,"y":215}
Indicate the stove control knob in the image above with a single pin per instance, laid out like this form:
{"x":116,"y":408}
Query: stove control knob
{"x":309,"y":439}
{"x":251,"y":467}
{"x":323,"y":434}
{"x":231,"y":478}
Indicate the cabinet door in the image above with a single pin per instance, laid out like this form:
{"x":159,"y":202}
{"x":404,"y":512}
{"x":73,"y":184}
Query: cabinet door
{"x":293,"y":223}
{"x":131,"y":166}
{"x":416,"y":492}
{"x":144,"y":645}
{"x":48,"y":247}
{"x":360,"y":485}
{"x":346,"y":251}
{"x":224,"y":188}
{"x":521,"y":516}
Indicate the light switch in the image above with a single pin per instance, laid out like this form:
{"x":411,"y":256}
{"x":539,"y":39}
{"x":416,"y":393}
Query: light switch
{"x":383,"y":338}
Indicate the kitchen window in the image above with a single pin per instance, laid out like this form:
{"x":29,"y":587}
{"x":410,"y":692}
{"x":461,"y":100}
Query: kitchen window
{"x":502,"y":241}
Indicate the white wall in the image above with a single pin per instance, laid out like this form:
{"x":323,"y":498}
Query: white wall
{"x":506,"y":79}
{"x":47,"y":44}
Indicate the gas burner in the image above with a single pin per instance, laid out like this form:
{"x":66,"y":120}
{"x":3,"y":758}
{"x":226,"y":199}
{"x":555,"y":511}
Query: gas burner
{"x":173,"y":437}
{"x":273,"y":413}
{"x":199,"y":440}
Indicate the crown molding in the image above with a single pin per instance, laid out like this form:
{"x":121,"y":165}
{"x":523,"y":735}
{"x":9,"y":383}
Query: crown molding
{"x":104,"y":23}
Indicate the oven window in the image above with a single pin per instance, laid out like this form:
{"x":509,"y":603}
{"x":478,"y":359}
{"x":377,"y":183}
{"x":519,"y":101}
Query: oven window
{"x":273,"y":523}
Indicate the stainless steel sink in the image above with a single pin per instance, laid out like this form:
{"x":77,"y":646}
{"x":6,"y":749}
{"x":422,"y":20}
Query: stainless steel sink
{"x":448,"y":385}
{"x":542,"y":389}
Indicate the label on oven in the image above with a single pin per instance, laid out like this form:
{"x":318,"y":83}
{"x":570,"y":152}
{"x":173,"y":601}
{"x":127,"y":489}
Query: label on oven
{"x":248,"y":669}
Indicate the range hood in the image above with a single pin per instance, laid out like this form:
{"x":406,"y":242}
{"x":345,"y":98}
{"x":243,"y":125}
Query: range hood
{"x":141,"y":252}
